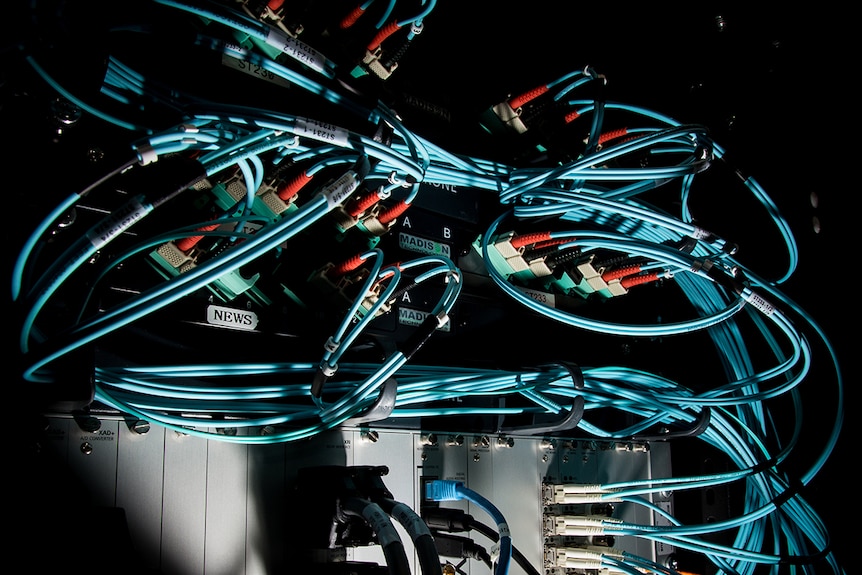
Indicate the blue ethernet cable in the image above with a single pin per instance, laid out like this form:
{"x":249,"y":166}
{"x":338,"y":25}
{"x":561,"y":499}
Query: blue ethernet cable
{"x":446,"y":490}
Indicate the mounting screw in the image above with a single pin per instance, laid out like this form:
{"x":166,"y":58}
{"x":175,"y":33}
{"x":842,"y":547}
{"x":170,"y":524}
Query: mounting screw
{"x":455,"y":440}
{"x":371,"y":436}
{"x":503,"y":441}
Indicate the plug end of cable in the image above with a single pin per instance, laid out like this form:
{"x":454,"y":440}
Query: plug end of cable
{"x":443,"y":490}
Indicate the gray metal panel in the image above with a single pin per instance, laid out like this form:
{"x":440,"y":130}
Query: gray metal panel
{"x":445,"y":460}
{"x":54,"y":441}
{"x":517,"y":494}
{"x":265,"y":512}
{"x":226,"y":507}
{"x":140,"y":473}
{"x":198,"y":506}
{"x":184,"y":505}
{"x":93,"y":457}
{"x":394,"y":450}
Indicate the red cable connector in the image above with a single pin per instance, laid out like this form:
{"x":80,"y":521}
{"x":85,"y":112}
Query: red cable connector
{"x":528,"y":239}
{"x":345,"y":266}
{"x":287,"y":190}
{"x":571,"y":116}
{"x":612,"y":135}
{"x":382,"y":35}
{"x":632,"y":281}
{"x":621,"y":272}
{"x":185,"y":244}
{"x":527,"y":97}
{"x":351,"y":18}
{"x":361,"y":204}
{"x":389,"y":215}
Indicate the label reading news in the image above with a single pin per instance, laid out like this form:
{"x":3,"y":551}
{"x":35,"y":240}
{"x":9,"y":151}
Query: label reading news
{"x":230,"y":317}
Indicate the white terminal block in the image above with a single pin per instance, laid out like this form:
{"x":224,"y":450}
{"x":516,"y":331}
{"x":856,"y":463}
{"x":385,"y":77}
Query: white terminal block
{"x":370,"y":299}
{"x":372,"y":62}
{"x":592,"y":276}
{"x":510,"y":117}
{"x":577,"y":525}
{"x":269,"y":197}
{"x":615,"y":288}
{"x":576,"y":493}
{"x":175,"y":257}
{"x":539,"y":268}
{"x":503,"y":245}
{"x":573,"y":558}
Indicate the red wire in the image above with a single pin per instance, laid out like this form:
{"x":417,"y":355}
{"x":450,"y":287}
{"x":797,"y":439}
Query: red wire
{"x":519,"y":101}
{"x":621,"y":272}
{"x":554,"y":242}
{"x":631,"y":281}
{"x":345,"y":266}
{"x":571,"y":116}
{"x":382,"y":35}
{"x":612,"y":135}
{"x":393,"y":212}
{"x":289,"y":189}
{"x":362,"y":203}
{"x":527,"y":239}
{"x":351,"y":18}
{"x":185,"y":244}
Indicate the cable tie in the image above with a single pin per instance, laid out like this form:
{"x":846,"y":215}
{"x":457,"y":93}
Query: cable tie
{"x":704,"y":264}
{"x":442,"y":319}
{"x":417,"y":28}
{"x":189,"y":128}
{"x":328,"y":370}
{"x":146,"y":154}
{"x":331,"y":346}
{"x":383,"y":193}
{"x":764,"y":466}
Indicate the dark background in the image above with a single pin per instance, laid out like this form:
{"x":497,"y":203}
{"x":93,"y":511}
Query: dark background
{"x":771,"y":84}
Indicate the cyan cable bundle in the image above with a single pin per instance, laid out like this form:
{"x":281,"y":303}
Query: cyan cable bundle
{"x":594,"y":204}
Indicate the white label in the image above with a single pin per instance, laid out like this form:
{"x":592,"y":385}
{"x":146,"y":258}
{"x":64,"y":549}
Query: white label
{"x":380,"y":524}
{"x":409,"y":520}
{"x":503,"y":530}
{"x":299,"y":51}
{"x":339,"y":190}
{"x":230,"y":317}
{"x":421,"y":245}
{"x":542,"y":297}
{"x":117,"y":223}
{"x":414,"y":317}
{"x":760,"y":303}
{"x":321,"y":131}
{"x":700,"y":233}
{"x":255,"y":70}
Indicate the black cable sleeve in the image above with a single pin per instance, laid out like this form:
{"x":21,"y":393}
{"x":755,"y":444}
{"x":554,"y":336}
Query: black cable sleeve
{"x":449,"y":545}
{"x":519,"y":557}
{"x":423,"y":540}
{"x":419,"y":336}
{"x":387,"y":536}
